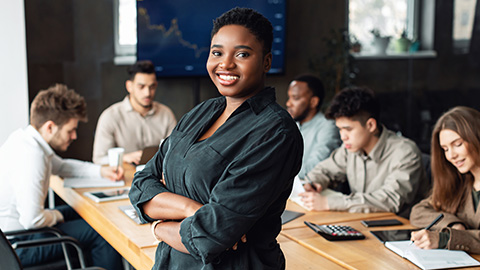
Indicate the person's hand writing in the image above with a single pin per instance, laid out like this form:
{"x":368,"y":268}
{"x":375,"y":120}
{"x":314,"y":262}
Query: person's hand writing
{"x":133,"y":157}
{"x":312,"y":187}
{"x":425,"y":239}
{"x":112,"y":173}
{"x":314,"y":201}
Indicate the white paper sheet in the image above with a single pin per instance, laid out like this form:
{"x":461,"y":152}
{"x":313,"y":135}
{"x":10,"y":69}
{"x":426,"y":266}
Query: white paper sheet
{"x":91,"y":182}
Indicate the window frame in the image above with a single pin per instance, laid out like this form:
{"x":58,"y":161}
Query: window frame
{"x":124,"y":54}
{"x":423,"y":14}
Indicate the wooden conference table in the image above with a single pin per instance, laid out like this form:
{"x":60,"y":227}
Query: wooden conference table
{"x":135,"y":242}
{"x":358,"y":254}
{"x":303,"y":248}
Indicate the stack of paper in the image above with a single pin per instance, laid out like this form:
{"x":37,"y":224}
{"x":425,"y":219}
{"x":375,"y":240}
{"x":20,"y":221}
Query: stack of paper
{"x":297,"y":189}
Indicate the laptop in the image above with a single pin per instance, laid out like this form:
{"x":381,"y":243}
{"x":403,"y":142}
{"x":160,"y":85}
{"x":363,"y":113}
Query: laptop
{"x":147,"y":154}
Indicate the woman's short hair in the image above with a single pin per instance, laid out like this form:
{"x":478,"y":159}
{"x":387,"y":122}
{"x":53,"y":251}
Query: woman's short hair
{"x":58,"y":104}
{"x":255,"y":22}
{"x":449,"y":184}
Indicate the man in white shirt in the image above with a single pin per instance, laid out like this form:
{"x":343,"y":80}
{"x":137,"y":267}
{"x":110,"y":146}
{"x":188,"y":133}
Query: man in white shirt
{"x":136,"y":122}
{"x":27,"y":160}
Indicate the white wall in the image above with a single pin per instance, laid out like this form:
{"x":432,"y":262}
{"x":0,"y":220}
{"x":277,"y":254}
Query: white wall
{"x":13,"y":68}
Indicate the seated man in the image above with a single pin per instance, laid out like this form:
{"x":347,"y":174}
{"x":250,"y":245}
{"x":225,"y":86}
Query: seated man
{"x":384,"y":170}
{"x":27,"y":160}
{"x":320,"y":136}
{"x":136,"y":122}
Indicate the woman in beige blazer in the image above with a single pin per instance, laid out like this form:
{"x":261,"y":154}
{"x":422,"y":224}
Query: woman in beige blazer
{"x":455,"y":157}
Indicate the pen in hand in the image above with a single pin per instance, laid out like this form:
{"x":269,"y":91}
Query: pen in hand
{"x":118,"y":164}
{"x":310,"y":182}
{"x":435,"y":221}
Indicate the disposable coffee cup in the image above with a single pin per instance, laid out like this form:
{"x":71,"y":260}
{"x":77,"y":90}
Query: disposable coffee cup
{"x":115,"y":156}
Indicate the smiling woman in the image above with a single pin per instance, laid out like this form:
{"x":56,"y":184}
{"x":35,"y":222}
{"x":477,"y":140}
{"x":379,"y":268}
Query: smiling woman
{"x":220,"y":182}
{"x":456,"y":184}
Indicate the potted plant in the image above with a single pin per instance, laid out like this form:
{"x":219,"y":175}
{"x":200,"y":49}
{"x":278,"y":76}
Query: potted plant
{"x":380,"y":42}
{"x":403,"y":43}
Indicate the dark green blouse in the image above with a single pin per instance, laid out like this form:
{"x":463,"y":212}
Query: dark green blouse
{"x":243,"y":175}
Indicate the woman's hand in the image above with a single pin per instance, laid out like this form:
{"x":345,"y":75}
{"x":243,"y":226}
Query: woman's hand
{"x":425,"y":239}
{"x":459,"y":226}
{"x":163,"y":180}
{"x":243,"y":240}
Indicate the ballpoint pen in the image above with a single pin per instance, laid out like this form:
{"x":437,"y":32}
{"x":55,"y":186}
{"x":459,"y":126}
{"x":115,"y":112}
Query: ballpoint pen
{"x":435,"y":221}
{"x":118,"y":163}
{"x":310,"y":182}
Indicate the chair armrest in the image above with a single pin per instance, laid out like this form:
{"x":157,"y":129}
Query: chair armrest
{"x":46,"y":241}
{"x":51,"y":230}
{"x":54,"y":240}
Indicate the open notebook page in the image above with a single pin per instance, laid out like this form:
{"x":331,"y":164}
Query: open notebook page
{"x":431,"y":258}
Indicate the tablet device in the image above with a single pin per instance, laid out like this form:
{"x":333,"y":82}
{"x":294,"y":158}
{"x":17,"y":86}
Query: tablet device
{"x":108,"y":195}
{"x":147,"y":154}
{"x":392,"y":235}
{"x":381,"y":222}
{"x":288,"y":216}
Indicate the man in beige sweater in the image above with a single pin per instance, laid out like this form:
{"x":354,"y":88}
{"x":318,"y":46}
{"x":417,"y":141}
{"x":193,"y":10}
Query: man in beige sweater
{"x":384,"y":170}
{"x":136,"y":122}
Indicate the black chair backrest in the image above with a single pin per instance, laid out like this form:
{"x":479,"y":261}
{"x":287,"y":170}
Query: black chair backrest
{"x":428,"y":167}
{"x":8,"y":256}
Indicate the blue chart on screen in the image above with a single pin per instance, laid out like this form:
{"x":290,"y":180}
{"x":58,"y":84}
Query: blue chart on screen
{"x":175,"y":35}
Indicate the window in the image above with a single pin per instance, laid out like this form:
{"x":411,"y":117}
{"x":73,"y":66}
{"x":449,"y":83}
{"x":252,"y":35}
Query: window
{"x":463,"y":19}
{"x":390,"y":18}
{"x":125,"y":16}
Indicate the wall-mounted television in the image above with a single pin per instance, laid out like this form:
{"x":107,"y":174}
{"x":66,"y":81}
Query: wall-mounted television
{"x":175,"y":34}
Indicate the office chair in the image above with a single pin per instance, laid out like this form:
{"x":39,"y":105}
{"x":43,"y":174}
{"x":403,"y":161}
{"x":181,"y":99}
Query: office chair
{"x":10,"y":260}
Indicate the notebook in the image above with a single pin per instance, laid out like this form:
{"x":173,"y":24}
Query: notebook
{"x":91,"y":182}
{"x":431,"y":258}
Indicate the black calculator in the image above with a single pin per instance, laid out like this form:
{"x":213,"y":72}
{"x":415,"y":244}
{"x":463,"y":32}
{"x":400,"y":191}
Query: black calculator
{"x":335,"y":232}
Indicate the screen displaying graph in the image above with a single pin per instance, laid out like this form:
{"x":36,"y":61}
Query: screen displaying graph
{"x":175,"y":34}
